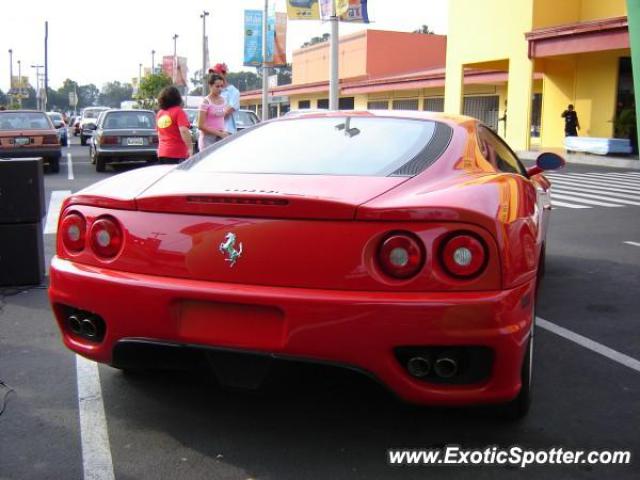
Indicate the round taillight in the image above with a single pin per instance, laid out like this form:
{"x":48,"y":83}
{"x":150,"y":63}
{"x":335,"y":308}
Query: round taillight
{"x":106,"y":237}
{"x":401,"y":255}
{"x":464,"y":256}
{"x":73,"y":232}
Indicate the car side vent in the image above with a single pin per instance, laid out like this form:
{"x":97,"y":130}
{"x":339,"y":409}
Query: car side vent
{"x":237,"y":200}
{"x":430,"y":153}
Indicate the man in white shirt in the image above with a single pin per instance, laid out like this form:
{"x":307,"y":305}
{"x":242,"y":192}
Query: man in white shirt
{"x":231,"y":97}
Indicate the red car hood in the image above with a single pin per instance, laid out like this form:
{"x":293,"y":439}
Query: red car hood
{"x":269,"y":196}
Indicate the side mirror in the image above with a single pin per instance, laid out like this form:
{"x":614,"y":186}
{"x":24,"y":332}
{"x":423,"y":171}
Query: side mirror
{"x":546,"y":161}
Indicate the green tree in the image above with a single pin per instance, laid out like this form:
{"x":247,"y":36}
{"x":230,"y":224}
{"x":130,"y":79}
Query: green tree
{"x":196,"y":80}
{"x":150,"y":87}
{"x":315,"y":40}
{"x":424,"y":29}
{"x":244,"y":81}
{"x":87,"y":95}
{"x":284,"y":74}
{"x":4,"y":99}
{"x":114,"y":93}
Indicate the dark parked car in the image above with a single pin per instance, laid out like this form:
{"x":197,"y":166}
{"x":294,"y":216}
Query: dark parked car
{"x":124,"y":135}
{"x":60,"y":126}
{"x":29,"y":133}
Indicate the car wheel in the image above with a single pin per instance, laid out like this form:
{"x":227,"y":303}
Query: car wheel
{"x":83,"y":140}
{"x":518,"y":408}
{"x":54,"y":164}
{"x":101,"y":164}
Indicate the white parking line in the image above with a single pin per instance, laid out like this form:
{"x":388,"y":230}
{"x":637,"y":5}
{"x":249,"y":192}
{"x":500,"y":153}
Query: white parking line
{"x":69,"y":166}
{"x":96,"y":452}
{"x":611,"y":354}
{"x":53,"y":212}
{"x":635,"y":244}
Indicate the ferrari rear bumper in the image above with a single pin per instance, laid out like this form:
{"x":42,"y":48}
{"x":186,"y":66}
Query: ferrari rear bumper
{"x":361,"y":330}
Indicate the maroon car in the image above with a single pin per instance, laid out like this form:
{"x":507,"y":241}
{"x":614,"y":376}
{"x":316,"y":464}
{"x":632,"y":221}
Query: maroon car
{"x":29,"y":133}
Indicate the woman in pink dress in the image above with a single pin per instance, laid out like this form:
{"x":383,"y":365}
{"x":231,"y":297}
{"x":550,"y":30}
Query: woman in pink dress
{"x":211,"y":114}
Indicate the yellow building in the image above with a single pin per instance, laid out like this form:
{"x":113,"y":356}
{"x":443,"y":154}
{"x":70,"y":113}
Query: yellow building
{"x":514,"y":64}
{"x":554,"y":53}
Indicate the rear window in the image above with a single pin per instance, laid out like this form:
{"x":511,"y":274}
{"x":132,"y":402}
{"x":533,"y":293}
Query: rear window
{"x":92,"y":113}
{"x":366,"y":146}
{"x":245,"y":119}
{"x":125,"y":120}
{"x":24,"y":121}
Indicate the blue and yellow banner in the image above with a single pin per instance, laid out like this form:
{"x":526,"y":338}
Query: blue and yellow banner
{"x":276,"y":38}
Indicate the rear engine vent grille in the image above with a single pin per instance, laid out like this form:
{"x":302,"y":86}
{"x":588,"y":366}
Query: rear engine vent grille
{"x":237,"y":200}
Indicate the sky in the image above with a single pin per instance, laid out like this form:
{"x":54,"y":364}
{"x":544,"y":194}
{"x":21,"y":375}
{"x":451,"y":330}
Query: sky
{"x":100,"y":42}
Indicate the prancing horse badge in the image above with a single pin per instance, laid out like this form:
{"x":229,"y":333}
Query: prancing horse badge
{"x":228,"y":249}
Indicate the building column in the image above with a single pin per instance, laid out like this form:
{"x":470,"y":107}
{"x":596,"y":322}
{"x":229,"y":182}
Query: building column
{"x":453,"y":88}
{"x":520,"y":89}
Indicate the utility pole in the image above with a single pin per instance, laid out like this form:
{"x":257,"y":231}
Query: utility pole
{"x":10,"y":69}
{"x":46,"y":66}
{"x":153,"y":62}
{"x":334,"y":79}
{"x":19,"y":84}
{"x":41,"y":105}
{"x":139,"y":74}
{"x":265,"y":68}
{"x":175,"y":57}
{"x":203,"y":16}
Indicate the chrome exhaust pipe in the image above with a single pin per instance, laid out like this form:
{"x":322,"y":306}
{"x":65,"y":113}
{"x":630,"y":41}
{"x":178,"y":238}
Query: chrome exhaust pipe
{"x":446,"y":366}
{"x":75,"y":325}
{"x":89,"y":328}
{"x":419,"y":367}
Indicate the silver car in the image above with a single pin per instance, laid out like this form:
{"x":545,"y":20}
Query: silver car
{"x":124,"y":135}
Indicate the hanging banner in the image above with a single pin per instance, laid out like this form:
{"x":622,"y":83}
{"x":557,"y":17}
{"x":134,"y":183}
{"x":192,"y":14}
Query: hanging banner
{"x":252,"y":38}
{"x":182,"y":75}
{"x":276,"y":38}
{"x":303,"y":10}
{"x":180,"y":78}
{"x":356,"y":12}
{"x":346,"y":10}
{"x":280,"y":40}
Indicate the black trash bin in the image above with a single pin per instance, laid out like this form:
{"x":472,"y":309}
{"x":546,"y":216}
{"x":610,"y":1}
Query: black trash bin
{"x":21,"y":212}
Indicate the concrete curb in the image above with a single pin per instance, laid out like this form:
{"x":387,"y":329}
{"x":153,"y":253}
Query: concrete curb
{"x":586,"y":159}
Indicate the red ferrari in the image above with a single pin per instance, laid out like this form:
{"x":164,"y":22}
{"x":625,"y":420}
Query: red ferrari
{"x":405,"y":245}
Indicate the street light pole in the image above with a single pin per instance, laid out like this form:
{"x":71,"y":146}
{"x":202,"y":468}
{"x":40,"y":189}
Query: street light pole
{"x":203,"y":16}
{"x":139,"y":74}
{"x":333,"y":55}
{"x":175,"y":57}
{"x":265,"y":68}
{"x":153,"y":62}
{"x":19,"y":84}
{"x":40,"y":103}
{"x":10,"y":69}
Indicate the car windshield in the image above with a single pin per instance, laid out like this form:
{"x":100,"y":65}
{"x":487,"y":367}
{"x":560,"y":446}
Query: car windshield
{"x":91,"y":113}
{"x":56,"y":117}
{"x":245,"y":119}
{"x":129,"y":120}
{"x":24,"y":121}
{"x":373,"y":146}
